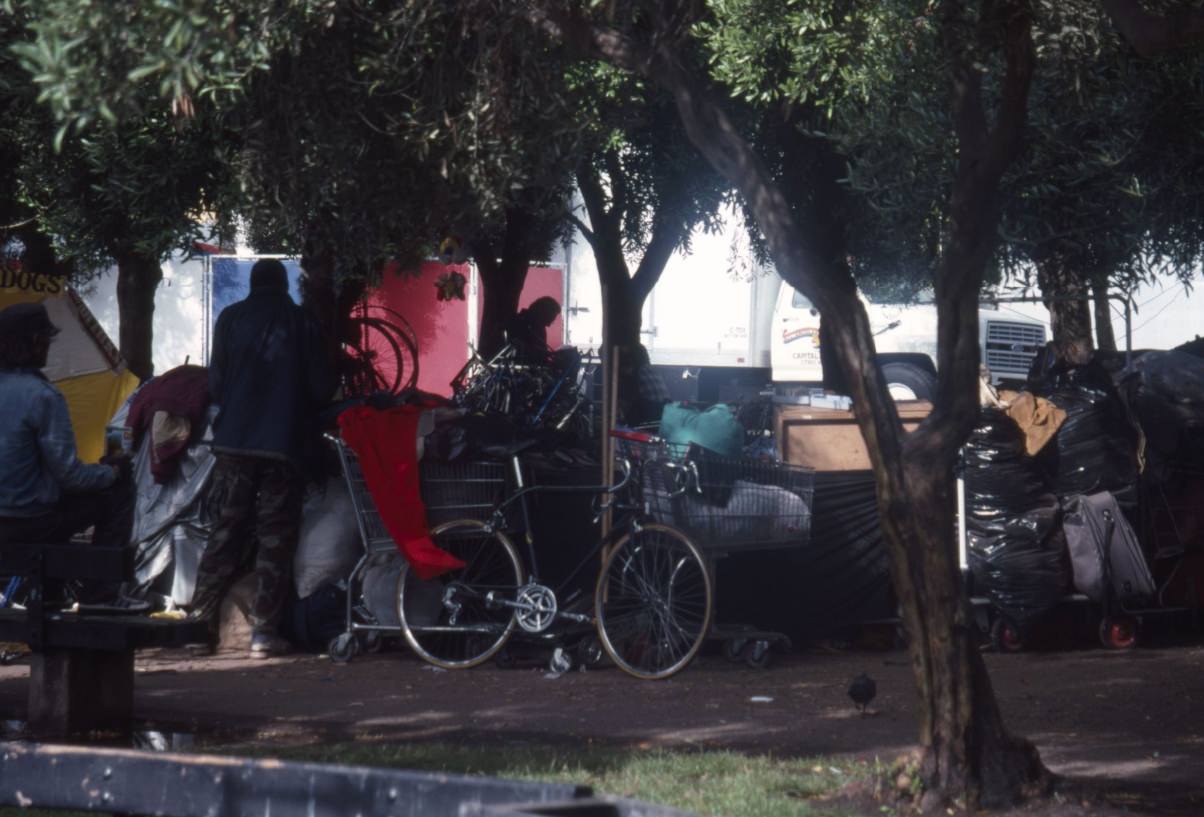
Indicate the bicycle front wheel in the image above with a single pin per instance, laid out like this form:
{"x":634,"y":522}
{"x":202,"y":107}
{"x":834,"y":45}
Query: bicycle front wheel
{"x":457,"y":620}
{"x":653,"y":602}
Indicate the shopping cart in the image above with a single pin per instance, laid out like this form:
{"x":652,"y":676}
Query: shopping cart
{"x":726,"y":505}
{"x":449,"y":491}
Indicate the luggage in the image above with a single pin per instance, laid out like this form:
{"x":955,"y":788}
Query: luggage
{"x":1100,"y":565}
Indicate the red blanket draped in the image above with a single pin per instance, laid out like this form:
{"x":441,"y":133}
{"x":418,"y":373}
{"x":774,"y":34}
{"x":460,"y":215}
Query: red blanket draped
{"x":386,"y":442}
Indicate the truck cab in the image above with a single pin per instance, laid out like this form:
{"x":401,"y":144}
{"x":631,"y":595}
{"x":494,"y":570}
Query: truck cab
{"x":905,"y":336}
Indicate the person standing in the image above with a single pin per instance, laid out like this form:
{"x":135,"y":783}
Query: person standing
{"x":269,"y":374}
{"x":47,"y":494}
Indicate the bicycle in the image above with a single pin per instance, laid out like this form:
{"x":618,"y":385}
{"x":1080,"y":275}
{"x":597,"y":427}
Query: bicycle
{"x":380,"y":351}
{"x":536,"y":396}
{"x":653,"y":598}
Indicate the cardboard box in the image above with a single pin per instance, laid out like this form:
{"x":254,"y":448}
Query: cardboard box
{"x":829,"y":439}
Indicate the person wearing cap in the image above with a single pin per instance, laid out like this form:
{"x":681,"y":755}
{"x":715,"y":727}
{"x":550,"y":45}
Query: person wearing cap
{"x":46,"y":494}
{"x":269,"y":374}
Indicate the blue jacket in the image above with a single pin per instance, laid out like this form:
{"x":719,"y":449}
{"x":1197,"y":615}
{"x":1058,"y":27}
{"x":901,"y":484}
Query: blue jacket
{"x":269,"y":374}
{"x":38,"y":461}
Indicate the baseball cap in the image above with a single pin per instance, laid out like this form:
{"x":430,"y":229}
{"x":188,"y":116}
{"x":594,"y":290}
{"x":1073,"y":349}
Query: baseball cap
{"x":26,"y":319}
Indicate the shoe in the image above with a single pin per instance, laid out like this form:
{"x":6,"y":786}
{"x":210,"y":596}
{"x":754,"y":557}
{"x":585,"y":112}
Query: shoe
{"x":265,"y":645}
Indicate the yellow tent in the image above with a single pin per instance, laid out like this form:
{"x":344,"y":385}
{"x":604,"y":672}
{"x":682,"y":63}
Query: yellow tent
{"x":84,"y":364}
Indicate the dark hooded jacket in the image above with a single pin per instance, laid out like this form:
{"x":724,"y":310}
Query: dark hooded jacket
{"x":269,"y":374}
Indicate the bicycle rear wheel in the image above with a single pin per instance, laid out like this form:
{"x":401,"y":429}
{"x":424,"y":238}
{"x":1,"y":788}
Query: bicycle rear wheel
{"x":653,"y":602}
{"x":454,"y":621}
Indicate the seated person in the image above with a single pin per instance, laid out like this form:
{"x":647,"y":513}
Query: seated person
{"x":527,"y":331}
{"x":46,"y":494}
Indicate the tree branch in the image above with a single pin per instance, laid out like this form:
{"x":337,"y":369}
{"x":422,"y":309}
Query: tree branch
{"x":984,"y":154}
{"x":592,"y":193}
{"x":666,"y":236}
{"x":618,"y":184}
{"x":1152,"y":34}
{"x":586,"y":232}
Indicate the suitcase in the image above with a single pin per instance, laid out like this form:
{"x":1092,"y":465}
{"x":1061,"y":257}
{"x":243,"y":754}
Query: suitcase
{"x":1095,"y":558}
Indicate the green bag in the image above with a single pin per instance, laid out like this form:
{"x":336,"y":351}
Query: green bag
{"x":715,"y":428}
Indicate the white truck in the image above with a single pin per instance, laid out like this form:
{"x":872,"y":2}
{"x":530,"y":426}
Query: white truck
{"x":737,"y":333}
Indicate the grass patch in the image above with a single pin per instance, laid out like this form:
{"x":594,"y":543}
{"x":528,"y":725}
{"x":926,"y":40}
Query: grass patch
{"x":709,"y":783}
{"x":705,"y":783}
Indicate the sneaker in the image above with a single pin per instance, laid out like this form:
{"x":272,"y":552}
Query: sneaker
{"x":265,"y":645}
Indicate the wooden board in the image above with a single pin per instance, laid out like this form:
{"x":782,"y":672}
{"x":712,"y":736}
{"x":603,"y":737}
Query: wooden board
{"x":829,"y":439}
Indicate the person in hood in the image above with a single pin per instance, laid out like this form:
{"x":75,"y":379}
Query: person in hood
{"x":269,"y":374}
{"x":47,"y":495}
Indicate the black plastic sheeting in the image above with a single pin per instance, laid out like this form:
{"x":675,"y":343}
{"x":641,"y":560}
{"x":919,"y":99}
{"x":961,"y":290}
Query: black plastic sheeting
{"x":826,"y":586}
{"x":1015,"y":546}
{"x":1166,"y":390}
{"x":1095,"y":449}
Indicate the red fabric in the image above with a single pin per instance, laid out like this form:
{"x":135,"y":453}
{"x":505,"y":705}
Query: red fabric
{"x":386,"y":442}
{"x":181,"y":392}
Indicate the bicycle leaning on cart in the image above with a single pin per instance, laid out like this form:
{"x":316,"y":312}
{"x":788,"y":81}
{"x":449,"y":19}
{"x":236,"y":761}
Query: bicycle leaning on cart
{"x":653,"y":597}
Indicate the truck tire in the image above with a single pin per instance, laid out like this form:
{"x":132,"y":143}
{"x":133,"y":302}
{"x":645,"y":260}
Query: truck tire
{"x":907,"y":381}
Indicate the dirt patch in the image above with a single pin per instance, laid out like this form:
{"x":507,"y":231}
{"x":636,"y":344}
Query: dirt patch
{"x":1126,"y":730}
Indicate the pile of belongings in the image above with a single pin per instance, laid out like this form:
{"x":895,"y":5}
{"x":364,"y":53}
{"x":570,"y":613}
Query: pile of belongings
{"x":1042,"y":467}
{"x":734,"y":500}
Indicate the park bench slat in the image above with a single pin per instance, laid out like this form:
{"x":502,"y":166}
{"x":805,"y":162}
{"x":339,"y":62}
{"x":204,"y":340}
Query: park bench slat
{"x":95,"y":632}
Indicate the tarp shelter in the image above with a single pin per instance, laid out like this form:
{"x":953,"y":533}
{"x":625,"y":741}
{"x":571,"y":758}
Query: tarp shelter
{"x":84,"y":364}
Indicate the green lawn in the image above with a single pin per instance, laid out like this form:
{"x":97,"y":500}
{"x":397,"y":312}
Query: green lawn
{"x":705,"y":783}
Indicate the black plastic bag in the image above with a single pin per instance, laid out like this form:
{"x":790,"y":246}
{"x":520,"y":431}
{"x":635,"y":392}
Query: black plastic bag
{"x":1096,"y":447}
{"x":317,"y":618}
{"x":1013,"y":523}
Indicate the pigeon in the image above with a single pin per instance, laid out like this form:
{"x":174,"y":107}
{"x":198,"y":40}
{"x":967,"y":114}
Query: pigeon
{"x":862,"y":690}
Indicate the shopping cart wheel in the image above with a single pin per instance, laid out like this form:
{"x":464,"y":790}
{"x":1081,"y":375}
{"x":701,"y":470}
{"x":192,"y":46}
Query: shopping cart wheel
{"x":342,"y":648}
{"x":733,"y":649}
{"x":1005,"y":636}
{"x":757,"y":654}
{"x":1119,"y":633}
{"x":590,"y":653}
{"x":372,"y":642}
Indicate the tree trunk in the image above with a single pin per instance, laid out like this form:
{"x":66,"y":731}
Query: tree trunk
{"x":503,"y":273}
{"x":1067,"y":298}
{"x":138,"y":276}
{"x":969,"y":757}
{"x":624,"y":315}
{"x":502,"y":283}
{"x":1152,"y":33}
{"x":1105,"y":338}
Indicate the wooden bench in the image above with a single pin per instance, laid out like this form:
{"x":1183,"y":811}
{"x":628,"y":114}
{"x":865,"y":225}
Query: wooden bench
{"x":82,"y":673}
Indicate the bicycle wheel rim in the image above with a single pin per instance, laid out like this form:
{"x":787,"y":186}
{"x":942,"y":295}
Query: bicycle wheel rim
{"x":653,"y":602}
{"x":447,"y":620}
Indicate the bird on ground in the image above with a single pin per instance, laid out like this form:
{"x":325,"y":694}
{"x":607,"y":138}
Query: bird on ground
{"x":862,"y":690}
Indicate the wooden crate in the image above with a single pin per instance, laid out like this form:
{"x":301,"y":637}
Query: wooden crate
{"x":829,"y":439}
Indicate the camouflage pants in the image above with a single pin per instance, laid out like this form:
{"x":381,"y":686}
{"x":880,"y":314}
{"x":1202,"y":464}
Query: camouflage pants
{"x":259,"y":501}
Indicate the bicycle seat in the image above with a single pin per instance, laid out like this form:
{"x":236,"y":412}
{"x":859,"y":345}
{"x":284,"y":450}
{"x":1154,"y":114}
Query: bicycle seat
{"x":508,"y":450}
